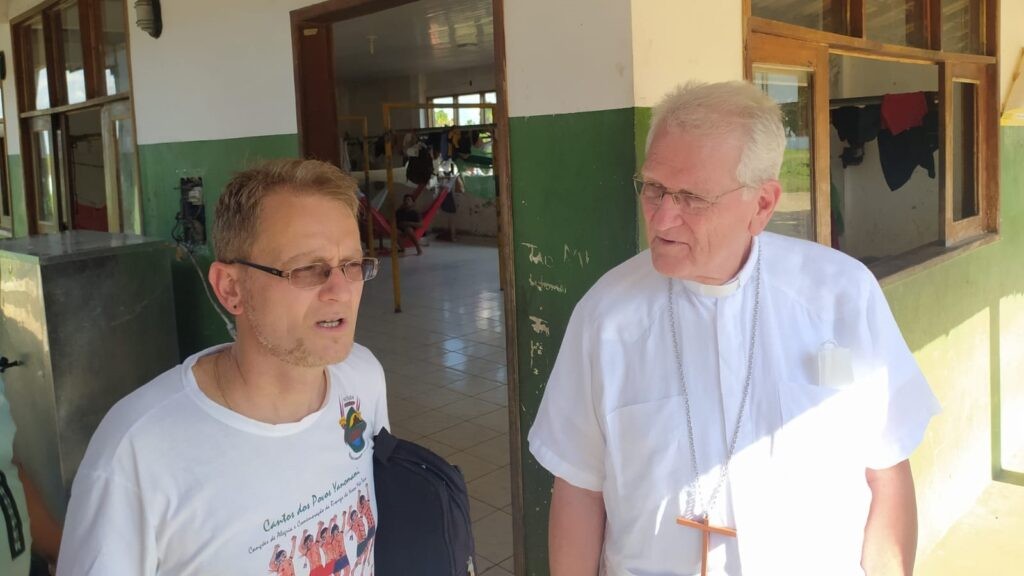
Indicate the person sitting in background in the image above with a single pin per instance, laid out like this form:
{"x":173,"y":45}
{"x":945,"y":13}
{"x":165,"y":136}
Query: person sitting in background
{"x":27,"y":525}
{"x":409,"y":220}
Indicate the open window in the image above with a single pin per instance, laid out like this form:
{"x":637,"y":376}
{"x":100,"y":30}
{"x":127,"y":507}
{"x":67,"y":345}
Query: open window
{"x":890,"y":111}
{"x":75,"y":109}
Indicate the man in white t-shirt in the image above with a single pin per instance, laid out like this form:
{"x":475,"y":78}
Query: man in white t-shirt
{"x":222,"y":464}
{"x":730,"y":401}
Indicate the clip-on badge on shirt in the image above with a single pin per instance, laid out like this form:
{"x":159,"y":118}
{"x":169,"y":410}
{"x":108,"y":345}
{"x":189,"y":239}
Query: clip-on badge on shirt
{"x":835,"y":366}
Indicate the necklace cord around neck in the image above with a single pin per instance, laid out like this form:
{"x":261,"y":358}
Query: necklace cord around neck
{"x":696,"y":496}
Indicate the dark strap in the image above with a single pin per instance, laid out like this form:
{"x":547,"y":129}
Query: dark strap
{"x":383,"y":445}
{"x":12,"y":517}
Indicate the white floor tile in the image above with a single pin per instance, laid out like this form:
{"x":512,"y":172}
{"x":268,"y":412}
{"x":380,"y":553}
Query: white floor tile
{"x":465,"y":435}
{"x":444,"y":360}
{"x":467,"y":409}
{"x":495,"y":450}
{"x":474,"y":385}
{"x":495,"y":396}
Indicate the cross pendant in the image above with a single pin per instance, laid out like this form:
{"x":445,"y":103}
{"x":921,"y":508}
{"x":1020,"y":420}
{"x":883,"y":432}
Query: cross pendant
{"x":706,"y":530}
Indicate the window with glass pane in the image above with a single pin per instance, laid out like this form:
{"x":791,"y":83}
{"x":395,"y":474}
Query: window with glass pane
{"x":115,"y":47}
{"x":38,"y":83}
{"x":443,"y":116}
{"x":127,"y":178}
{"x":792,"y":89}
{"x":86,"y":171}
{"x":74,"y":59}
{"x":961,"y":26}
{"x":46,"y":176}
{"x":6,"y":211}
{"x":827,"y":15}
{"x":965,"y":157}
{"x":899,"y":22}
{"x":469,"y":116}
{"x":490,"y":98}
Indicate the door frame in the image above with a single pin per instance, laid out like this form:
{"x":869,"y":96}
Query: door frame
{"x":331,"y":11}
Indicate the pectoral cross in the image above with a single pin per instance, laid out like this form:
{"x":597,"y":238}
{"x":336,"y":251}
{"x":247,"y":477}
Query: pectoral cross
{"x":706,"y":530}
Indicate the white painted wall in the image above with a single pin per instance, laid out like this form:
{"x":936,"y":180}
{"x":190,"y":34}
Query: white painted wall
{"x":866,"y":77}
{"x":474,"y":217}
{"x":882,"y":222}
{"x":208,"y":78}
{"x":1011,"y":41}
{"x":16,"y":7}
{"x":364,"y":98}
{"x":675,"y":41}
{"x":568,"y":56}
{"x":220,"y":70}
{"x":478,"y":79}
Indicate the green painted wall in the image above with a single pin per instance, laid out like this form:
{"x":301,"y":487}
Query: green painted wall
{"x":641,"y":124}
{"x":964,"y":322}
{"x":16,"y":175}
{"x":574,"y":218}
{"x":216,"y":160}
{"x":963,"y":319}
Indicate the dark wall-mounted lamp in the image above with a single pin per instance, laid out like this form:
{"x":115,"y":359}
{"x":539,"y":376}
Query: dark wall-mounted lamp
{"x":147,"y":17}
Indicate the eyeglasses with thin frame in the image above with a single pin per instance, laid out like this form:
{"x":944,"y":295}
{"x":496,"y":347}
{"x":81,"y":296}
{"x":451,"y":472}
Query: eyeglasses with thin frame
{"x":313,"y":275}
{"x":652,"y":193}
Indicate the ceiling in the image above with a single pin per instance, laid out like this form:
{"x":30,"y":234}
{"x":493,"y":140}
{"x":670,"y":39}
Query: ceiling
{"x":420,"y":37}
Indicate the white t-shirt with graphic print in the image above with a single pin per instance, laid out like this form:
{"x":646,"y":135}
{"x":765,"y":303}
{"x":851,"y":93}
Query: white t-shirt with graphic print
{"x":173,"y":483}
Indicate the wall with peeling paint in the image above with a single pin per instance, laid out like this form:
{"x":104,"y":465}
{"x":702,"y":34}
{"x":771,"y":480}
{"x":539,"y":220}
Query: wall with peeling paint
{"x":964,"y":319}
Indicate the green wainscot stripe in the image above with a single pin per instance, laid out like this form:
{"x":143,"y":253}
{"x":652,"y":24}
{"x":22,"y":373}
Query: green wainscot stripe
{"x":481,"y":186}
{"x":641,"y":124}
{"x":216,"y":161}
{"x":574,"y":218}
{"x":943,"y":300}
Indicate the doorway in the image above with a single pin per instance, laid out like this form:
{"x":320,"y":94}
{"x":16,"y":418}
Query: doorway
{"x":378,"y":84}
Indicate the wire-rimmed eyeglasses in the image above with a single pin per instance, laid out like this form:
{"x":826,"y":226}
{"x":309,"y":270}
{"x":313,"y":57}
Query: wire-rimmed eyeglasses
{"x":652,"y":193}
{"x":312,"y":275}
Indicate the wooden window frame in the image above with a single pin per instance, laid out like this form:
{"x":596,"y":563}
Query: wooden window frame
{"x":23,"y":62}
{"x":797,"y":55}
{"x":116,"y":217}
{"x":6,"y":221}
{"x":956,"y":231}
{"x":92,"y":62}
{"x":767,"y":39}
{"x":90,"y":23}
{"x":34,"y":127}
{"x":99,"y":52}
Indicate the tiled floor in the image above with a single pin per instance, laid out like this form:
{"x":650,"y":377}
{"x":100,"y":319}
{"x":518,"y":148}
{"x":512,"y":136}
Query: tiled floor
{"x":444,"y":358}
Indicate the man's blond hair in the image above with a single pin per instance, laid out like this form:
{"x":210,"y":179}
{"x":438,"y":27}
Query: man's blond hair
{"x":729,"y":108}
{"x":238,"y":210}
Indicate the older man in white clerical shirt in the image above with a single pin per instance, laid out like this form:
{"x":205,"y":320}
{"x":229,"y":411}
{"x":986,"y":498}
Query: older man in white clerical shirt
{"x":730,"y":401}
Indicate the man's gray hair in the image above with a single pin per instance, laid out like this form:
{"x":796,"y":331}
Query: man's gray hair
{"x":728,"y":108}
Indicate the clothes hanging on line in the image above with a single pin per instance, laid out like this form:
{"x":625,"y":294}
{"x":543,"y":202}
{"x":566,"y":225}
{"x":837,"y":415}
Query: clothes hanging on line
{"x":856,"y":126}
{"x":901,"y":154}
{"x":901,"y":112}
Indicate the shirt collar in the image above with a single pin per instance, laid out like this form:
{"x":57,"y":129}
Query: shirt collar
{"x":732,"y":286}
